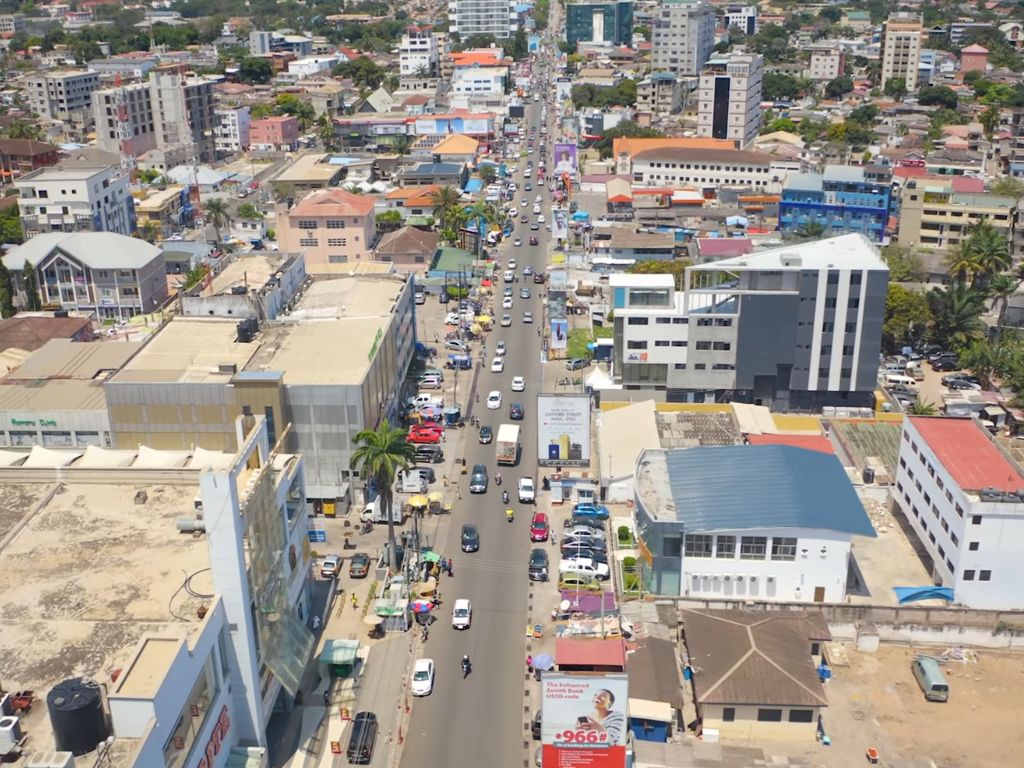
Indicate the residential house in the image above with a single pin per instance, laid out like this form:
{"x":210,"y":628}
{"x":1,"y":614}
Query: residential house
{"x":435,"y":174}
{"x":332,"y":227}
{"x":30,"y":331}
{"x":76,"y":197}
{"x":408,"y":248}
{"x":278,"y":133}
{"x":21,"y":156}
{"x":456,"y":148}
{"x":168,"y":210}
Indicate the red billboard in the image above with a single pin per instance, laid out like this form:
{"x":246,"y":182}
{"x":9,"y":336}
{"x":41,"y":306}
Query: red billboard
{"x":583,"y":720}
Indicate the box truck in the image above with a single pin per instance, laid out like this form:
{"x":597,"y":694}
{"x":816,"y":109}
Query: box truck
{"x":507,"y":444}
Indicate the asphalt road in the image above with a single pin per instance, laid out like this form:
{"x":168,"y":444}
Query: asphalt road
{"x":475,"y":720}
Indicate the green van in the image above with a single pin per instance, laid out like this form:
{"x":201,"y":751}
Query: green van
{"x":930,"y":678}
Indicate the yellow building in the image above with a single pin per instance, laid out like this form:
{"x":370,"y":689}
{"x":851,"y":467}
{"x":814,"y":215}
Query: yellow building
{"x":163,"y":207}
{"x":934,"y":215}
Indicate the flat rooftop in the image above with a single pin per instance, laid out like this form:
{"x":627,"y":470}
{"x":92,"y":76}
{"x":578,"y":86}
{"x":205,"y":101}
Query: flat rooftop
{"x":251,"y":270}
{"x":309,"y":168}
{"x":852,"y":251}
{"x":968,"y":453}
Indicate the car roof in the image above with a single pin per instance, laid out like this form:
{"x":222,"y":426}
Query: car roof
{"x":462,"y":602}
{"x":422,"y":663}
{"x":539,"y":553}
{"x":538,"y":516}
{"x":468,"y":528}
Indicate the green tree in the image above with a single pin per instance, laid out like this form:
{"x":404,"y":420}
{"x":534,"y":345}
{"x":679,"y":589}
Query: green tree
{"x":991,"y":250}
{"x":865,"y":114}
{"x":987,"y":359}
{"x":937,"y":96}
{"x":895,"y":87}
{"x":905,"y":266}
{"x":776,"y":86}
{"x":483,"y":214}
{"x":363,"y":72}
{"x":1000,"y":289}
{"x":22,"y":129}
{"x":907,"y":315}
{"x":260,"y":111}
{"x":674,"y":267}
{"x":388,"y":221}
{"x":6,"y":291}
{"x":963,"y":263}
{"x":443,"y":199}
{"x":325,"y":131}
{"x":812,"y":230}
{"x":216,"y":212}
{"x":956,"y":315}
{"x":10,"y":226}
{"x":989,"y":119}
{"x":780,"y":124}
{"x":380,"y":454}
{"x":623,"y":129}
{"x":1007,"y":186}
{"x":290,"y":104}
{"x":254,"y":70}
{"x":150,"y":231}
{"x":248,"y":211}
{"x":838,"y":87}
{"x":922,"y":408}
{"x":33,"y":301}
{"x":487,"y":173}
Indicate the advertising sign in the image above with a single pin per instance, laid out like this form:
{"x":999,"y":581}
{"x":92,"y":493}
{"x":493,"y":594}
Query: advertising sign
{"x":583,"y":720}
{"x":559,"y":333}
{"x":563,"y":88}
{"x":559,"y":223}
{"x":563,"y":429}
{"x":565,"y":159}
{"x":569,"y":129}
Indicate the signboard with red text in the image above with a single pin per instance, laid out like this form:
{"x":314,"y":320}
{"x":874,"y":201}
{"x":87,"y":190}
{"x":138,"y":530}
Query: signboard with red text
{"x":583,"y":720}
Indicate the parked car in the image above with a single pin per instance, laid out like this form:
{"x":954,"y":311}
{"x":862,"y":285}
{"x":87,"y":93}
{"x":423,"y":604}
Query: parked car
{"x":569,"y":543}
{"x":470,"y":538}
{"x":538,"y":566}
{"x":539,"y":527}
{"x":597,"y":555}
{"x":577,"y":363}
{"x":527,"y":491}
{"x":429,"y":454}
{"x":945,"y":364}
{"x":422,"y":677}
{"x":585,"y":566}
{"x":462,"y":614}
{"x":362,"y":737}
{"x":587,"y":520}
{"x":584,"y":532}
{"x":331,"y":566}
{"x":486,"y":435}
{"x":579,"y":582}
{"x":539,"y":278}
{"x":419,"y":435}
{"x":591,"y":510}
{"x":359,"y":566}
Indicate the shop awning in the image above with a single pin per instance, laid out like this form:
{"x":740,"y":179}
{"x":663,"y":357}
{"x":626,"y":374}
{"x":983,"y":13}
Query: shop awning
{"x":590,"y":653}
{"x":339,"y":652}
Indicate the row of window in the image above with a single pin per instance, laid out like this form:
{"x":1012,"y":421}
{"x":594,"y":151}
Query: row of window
{"x":772,"y":715}
{"x":751,"y":547}
{"x":332,"y":242}
{"x":326,"y":223}
{"x":706,"y":167}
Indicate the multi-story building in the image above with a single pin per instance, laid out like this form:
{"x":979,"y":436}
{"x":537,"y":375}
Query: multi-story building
{"x":65,"y":96}
{"x":841,"y":199}
{"x":961,"y":494}
{"x":183,"y":112}
{"x":263,"y":43}
{"x":730,"y":97}
{"x":706,"y":167}
{"x":797,"y":327}
{"x":482,"y":17}
{"x":167,"y":210}
{"x":11,"y":23}
{"x":827,"y":65}
{"x":418,"y":54}
{"x":333,"y":227}
{"x":599,"y":23}
{"x":660,"y":93}
{"x":682,"y":36}
{"x":901,"y":49}
{"x":111,"y":275}
{"x":21,"y":156}
{"x":277,"y":133}
{"x":934,"y":215}
{"x":742,"y":17}
{"x":136,"y":119}
{"x":231,"y":134}
{"x":76,"y":198}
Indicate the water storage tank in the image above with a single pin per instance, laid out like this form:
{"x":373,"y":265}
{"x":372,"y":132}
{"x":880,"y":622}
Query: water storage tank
{"x":77,"y":715}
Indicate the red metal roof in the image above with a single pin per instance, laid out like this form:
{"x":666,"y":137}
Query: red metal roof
{"x":725,"y":246}
{"x":574,"y":652}
{"x":818,"y":443}
{"x":968,"y":453}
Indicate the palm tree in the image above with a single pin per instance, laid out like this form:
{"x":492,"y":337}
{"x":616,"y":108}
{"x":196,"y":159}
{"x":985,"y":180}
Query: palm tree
{"x":957,"y":314}
{"x":380,"y":454}
{"x":963,"y":263}
{"x":990,"y":248}
{"x":401,"y":145}
{"x":812,"y":230}
{"x":216,"y":211}
{"x":484,"y":214}
{"x":922,"y":408}
{"x":1000,"y":289}
{"x":443,"y":199}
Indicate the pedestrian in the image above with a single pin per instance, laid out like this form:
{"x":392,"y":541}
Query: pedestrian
{"x":327,"y":697}
{"x":458,"y":493}
{"x":355,"y":601}
{"x":444,"y":480}
{"x":529,"y":662}
{"x":451,"y":568}
{"x":444,"y":565}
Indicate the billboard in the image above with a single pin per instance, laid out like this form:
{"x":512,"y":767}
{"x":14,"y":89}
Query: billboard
{"x":563,"y":429}
{"x":559,"y":223}
{"x":569,"y":129}
{"x":565,"y":159}
{"x":583,"y":720}
{"x":559,"y":333}
{"x":563,"y":88}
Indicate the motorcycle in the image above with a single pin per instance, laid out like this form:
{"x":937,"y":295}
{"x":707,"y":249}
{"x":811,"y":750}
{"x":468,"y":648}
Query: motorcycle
{"x":466,"y":667}
{"x":509,"y":514}
{"x":504,"y":497}
{"x":497,"y":479}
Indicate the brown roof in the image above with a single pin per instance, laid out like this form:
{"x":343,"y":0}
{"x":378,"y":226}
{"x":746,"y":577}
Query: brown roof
{"x":334,"y":202}
{"x":31,"y":333}
{"x":696,"y":155}
{"x":754,"y":658}
{"x":407,"y":240}
{"x":654,"y":671}
{"x":25,"y":147}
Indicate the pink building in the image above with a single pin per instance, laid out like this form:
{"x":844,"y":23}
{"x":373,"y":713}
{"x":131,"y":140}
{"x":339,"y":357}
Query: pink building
{"x":974,"y":58}
{"x":274,"y":134}
{"x":332,"y":227}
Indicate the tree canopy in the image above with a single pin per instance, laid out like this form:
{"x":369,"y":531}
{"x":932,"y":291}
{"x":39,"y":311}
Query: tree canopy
{"x":838,"y":87}
{"x":621,"y":95}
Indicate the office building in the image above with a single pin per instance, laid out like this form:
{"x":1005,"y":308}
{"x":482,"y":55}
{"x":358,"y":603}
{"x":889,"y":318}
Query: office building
{"x":482,"y":17}
{"x":596,"y":23}
{"x":231,"y":134}
{"x":76,"y":197}
{"x":418,"y":54}
{"x":747,"y":522}
{"x":660,"y":93}
{"x":136,"y":119}
{"x":183,"y":113}
{"x":901,"y":49}
{"x":827,"y":65}
{"x":11,"y":23}
{"x":741,"y":17}
{"x":707,"y":164}
{"x":192,"y":675}
{"x":730,"y":98}
{"x":795,"y":328}
{"x":682,"y":36}
{"x":263,"y":43}
{"x":934,"y":215}
{"x":841,"y":200}
{"x":63,"y":96}
{"x":333,"y":227}
{"x":961,"y":494}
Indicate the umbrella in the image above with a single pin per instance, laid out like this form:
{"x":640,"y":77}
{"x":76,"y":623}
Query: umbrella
{"x":543,"y":661}
{"x":428,"y":586}
{"x":431,"y":557}
{"x":419,"y":501}
{"x":476,"y":328}
{"x":430,"y":410}
{"x":372,"y":620}
{"x":434,"y":496}
{"x":421,"y":606}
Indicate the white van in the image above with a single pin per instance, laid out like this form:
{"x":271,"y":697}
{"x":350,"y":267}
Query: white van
{"x":898,"y":380}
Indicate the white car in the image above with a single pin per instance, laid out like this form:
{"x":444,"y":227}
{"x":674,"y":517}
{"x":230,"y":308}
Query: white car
{"x":517,"y":242}
{"x":584,"y":566}
{"x":527,"y":317}
{"x":509,"y":276}
{"x":526,"y":203}
{"x":498,"y":365}
{"x":506,"y":320}
{"x":499,"y":350}
{"x":462,"y":614}
{"x":512,"y":264}
{"x":527,"y":493}
{"x":519,"y":384}
{"x":540,"y":218}
{"x":451,"y":319}
{"x":494,"y":400}
{"x":423,"y":677}
{"x":506,"y":303}
{"x":538,"y":199}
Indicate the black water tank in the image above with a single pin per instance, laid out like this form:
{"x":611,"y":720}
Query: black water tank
{"x":869,"y":475}
{"x":77,"y":715}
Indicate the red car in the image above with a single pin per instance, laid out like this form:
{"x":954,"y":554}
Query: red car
{"x":539,"y":527}
{"x":421,"y":435}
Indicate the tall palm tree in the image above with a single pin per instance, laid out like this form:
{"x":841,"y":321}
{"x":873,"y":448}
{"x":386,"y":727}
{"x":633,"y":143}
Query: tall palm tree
{"x":443,"y":199}
{"x":990,"y":248}
{"x":812,"y":230}
{"x":216,"y":212}
{"x":484,"y":214}
{"x":922,"y":408}
{"x":963,"y":263}
{"x":1000,"y":289}
{"x":957,"y":314}
{"x":380,"y":454}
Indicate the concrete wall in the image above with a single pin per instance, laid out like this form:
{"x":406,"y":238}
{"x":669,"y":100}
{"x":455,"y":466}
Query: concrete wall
{"x":746,"y":726}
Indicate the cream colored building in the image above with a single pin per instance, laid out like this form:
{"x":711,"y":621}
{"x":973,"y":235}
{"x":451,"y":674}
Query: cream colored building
{"x":901,"y":49}
{"x":933,"y":215}
{"x":332,"y":227}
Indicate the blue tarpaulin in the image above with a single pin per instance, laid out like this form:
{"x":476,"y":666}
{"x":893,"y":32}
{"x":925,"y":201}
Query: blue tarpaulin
{"x":912,"y":594}
{"x":474,"y":185}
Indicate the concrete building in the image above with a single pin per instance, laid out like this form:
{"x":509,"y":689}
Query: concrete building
{"x":795,"y":328}
{"x":183,"y":112}
{"x":597,"y":23}
{"x":747,"y":522}
{"x":277,"y":133}
{"x":257,"y":284}
{"x":730,"y":98}
{"x":901,"y":49}
{"x":682,"y":36}
{"x":482,"y":17}
{"x":934,"y":215}
{"x":76,"y":198}
{"x":974,"y":58}
{"x":660,"y":93}
{"x":185,"y":385}
{"x":961,"y":494}
{"x":11,"y":23}
{"x":263,"y":43}
{"x":332,"y":227}
{"x":231,"y":134}
{"x":168,"y":210}
{"x":418,"y":53}
{"x":742,"y":17}
{"x":200,"y":670}
{"x":827,"y":65}
{"x":841,"y":199}
{"x":21,"y":156}
{"x":707,"y":168}
{"x":112,"y":275}
{"x":138,"y":115}
{"x":64,"y":96}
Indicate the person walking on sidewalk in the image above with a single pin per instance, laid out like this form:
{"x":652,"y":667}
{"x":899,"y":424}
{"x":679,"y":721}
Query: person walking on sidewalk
{"x":444,"y":565}
{"x":355,"y":601}
{"x":451,"y":568}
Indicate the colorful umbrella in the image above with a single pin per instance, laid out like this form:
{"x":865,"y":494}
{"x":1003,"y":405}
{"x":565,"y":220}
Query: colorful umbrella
{"x":373,"y":620}
{"x":419,"y":501}
{"x":421,"y":606}
{"x":435,"y":496}
{"x":431,"y":557}
{"x":543,"y":661}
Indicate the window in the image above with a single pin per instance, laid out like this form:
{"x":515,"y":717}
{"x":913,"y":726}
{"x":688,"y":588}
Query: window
{"x":678,"y":343}
{"x":753,"y":547}
{"x":801,"y":715}
{"x":636,"y":321}
{"x":335,"y":223}
{"x":698,"y":545}
{"x":704,"y":345}
{"x":672,"y":546}
{"x":661,"y":343}
{"x":333,"y":259}
{"x":969,"y":575}
{"x":722,"y":346}
{"x":337,"y":242}
{"x":662,"y":320}
{"x":973,"y":546}
{"x":769,"y":715}
{"x":307,"y":224}
{"x":783,"y":548}
{"x":728,"y":714}
{"x":725,"y":547}
{"x":308,"y":242}
{"x":984,"y":575}
{"x":636,"y":345}
{"x":975,"y":520}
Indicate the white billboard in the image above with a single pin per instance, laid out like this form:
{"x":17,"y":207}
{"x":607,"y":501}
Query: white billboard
{"x":583,"y":720}
{"x":563,"y":430}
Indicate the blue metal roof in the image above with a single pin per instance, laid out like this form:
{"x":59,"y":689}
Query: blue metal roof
{"x":474,"y":185}
{"x":738,"y":487}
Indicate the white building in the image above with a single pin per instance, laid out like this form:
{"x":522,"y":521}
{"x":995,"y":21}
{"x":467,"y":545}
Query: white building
{"x":901,"y":49}
{"x":730,"y":98}
{"x":682,"y":36}
{"x":231,"y":134}
{"x":964,"y":498}
{"x":312,"y":65}
{"x":64,"y":96}
{"x":137,"y":116}
{"x":183,"y":113}
{"x":76,"y":198}
{"x":826,"y":65}
{"x":743,"y":17}
{"x":482,"y":17}
{"x":418,"y":53}
{"x":200,"y":670}
{"x":707,"y":169}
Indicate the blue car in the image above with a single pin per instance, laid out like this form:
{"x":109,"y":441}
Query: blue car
{"x":598,"y":511}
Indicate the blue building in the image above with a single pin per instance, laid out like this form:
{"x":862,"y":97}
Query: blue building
{"x":841,"y":199}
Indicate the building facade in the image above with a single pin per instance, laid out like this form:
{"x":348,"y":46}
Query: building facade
{"x":137,"y":119}
{"x":933,"y":215}
{"x":961,"y":495}
{"x":183,"y":112}
{"x":333,"y":227}
{"x":730,"y":98}
{"x":827,"y":65}
{"x":418,"y":54}
{"x":841,"y":199}
{"x":599,"y":23}
{"x":65,"y":96}
{"x":682,"y":36}
{"x":277,"y":133}
{"x":660,"y":93}
{"x":707,"y":169}
{"x":901,"y":49}
{"x":231,"y":135}
{"x":21,"y":156}
{"x":76,"y":198}
{"x":482,"y":17}
{"x":742,"y":17}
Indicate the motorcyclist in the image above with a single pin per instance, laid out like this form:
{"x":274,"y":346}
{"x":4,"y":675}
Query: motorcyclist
{"x":465,"y":665}
{"x":497,"y":478}
{"x":509,"y":514}
{"x":504,"y":497}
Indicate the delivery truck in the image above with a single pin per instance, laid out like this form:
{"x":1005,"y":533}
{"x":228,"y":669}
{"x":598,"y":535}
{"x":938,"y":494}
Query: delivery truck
{"x":374,"y":512}
{"x":507,"y":444}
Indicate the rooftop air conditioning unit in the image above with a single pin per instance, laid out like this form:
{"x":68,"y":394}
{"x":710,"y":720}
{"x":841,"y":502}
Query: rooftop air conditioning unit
{"x":739,"y":578}
{"x":727,"y":578}
{"x":770,"y":579}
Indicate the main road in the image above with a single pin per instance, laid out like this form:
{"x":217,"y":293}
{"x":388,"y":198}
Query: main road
{"x":479,"y":720}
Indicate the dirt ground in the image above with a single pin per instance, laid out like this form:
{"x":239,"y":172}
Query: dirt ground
{"x":875,"y":701}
